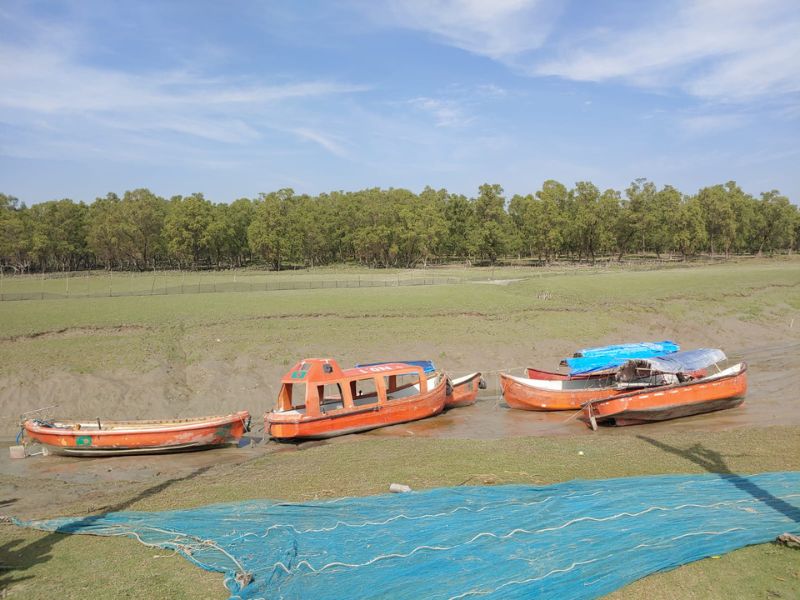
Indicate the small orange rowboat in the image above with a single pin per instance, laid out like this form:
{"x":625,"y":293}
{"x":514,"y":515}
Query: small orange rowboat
{"x":554,"y":394}
{"x":551,"y":376}
{"x":464,"y":390}
{"x":107,"y":438}
{"x":722,"y":390}
{"x":319,"y":399}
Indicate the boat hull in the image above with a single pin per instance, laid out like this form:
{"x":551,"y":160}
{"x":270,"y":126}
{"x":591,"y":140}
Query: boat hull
{"x":141,"y":437}
{"x":669,"y":402}
{"x":520,"y":394}
{"x":465,"y":390}
{"x":341,"y":422}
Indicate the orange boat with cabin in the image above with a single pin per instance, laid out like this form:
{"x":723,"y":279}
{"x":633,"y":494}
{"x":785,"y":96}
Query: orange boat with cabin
{"x":722,"y":390}
{"x":107,"y":438}
{"x":319,"y":399}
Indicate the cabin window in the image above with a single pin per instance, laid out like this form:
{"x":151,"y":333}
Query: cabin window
{"x":401,"y":386}
{"x":292,"y":397}
{"x":330,"y":397}
{"x":363,"y":391}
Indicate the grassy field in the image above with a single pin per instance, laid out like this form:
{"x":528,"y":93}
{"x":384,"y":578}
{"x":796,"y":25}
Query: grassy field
{"x":257,"y":334}
{"x":95,"y":334}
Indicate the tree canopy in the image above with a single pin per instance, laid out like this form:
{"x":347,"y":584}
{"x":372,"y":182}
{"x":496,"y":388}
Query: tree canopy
{"x":392,"y":227}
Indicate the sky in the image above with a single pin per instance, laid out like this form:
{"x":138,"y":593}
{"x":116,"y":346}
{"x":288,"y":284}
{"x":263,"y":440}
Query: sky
{"x":237,"y":98}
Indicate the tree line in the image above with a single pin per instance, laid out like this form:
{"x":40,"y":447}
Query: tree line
{"x":391,"y":227}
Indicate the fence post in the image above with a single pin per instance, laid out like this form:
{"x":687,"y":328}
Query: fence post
{"x":67,"y":284}
{"x":41,"y":286}
{"x":110,"y":282}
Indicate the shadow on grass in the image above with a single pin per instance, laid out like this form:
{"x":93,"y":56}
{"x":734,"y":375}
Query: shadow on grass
{"x":15,"y":556}
{"x":713,"y":462}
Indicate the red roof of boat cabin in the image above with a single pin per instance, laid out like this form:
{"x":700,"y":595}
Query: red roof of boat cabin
{"x":327,"y":369}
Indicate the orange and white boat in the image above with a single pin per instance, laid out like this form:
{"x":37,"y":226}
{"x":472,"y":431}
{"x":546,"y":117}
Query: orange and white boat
{"x":464,"y":390}
{"x":544,"y":390}
{"x":725,"y":389}
{"x":106,"y":438}
{"x":555,"y":394}
{"x":319,"y":399}
{"x":555,"y":376}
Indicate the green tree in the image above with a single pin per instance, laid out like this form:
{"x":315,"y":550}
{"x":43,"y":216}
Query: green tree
{"x":143,"y":216}
{"x":459,"y":223}
{"x":689,"y":232}
{"x":662,"y":226}
{"x":187,"y":228}
{"x":105,"y":230}
{"x":58,"y":235}
{"x":640,"y":215}
{"x":271,"y":233}
{"x":491,"y":235}
{"x":549,"y":232}
{"x":777,"y":222}
{"x":719,"y":217}
{"x":14,"y":234}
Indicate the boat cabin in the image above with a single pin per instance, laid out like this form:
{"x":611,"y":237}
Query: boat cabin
{"x":315,"y":387}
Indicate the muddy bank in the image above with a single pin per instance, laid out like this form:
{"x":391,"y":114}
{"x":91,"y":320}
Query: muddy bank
{"x":28,"y":486}
{"x":251,"y":382}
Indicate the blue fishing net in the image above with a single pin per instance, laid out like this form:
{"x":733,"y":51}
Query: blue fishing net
{"x":579,"y":539}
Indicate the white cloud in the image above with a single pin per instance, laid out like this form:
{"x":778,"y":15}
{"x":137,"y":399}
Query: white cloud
{"x":714,"y":49}
{"x":50,"y":81}
{"x":495,"y":28}
{"x":446,"y":113}
{"x":323,"y":140}
{"x":60,"y":104}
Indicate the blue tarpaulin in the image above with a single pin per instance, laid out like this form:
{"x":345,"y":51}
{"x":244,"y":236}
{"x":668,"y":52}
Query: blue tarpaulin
{"x":603,"y":358}
{"x":682,"y":362}
{"x":427,"y":365}
{"x":580,"y":539}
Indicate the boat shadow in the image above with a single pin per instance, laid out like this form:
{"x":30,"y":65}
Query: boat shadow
{"x":16,"y":556}
{"x":713,"y":462}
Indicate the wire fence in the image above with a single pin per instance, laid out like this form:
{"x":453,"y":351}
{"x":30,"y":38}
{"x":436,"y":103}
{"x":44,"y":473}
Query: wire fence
{"x":98,"y":285}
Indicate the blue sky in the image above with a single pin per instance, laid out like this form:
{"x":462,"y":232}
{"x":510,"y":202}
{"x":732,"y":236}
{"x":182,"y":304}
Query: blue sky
{"x":236,"y":98}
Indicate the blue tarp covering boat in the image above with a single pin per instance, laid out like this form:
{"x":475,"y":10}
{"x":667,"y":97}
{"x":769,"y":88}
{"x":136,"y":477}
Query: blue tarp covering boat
{"x":681,"y":362}
{"x":603,"y":358}
{"x":427,"y":365}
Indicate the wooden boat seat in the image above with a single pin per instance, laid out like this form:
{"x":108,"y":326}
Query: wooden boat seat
{"x":330,"y":405}
{"x":724,"y":373}
{"x":365,"y":399}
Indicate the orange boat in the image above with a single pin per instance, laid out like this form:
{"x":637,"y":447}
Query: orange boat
{"x":106,"y":438}
{"x":551,"y":376}
{"x":722,"y":390}
{"x":318,"y":399}
{"x":464,"y":390}
{"x":555,"y":394}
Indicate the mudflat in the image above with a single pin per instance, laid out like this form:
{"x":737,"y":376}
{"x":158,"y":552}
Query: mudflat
{"x":187,"y":355}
